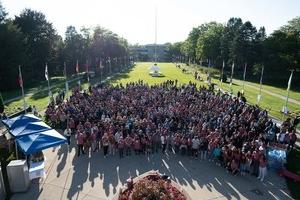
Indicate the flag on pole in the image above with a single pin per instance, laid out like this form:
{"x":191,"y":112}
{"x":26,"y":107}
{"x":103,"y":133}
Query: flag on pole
{"x":20,"y":78}
{"x":21,"y":85}
{"x":65,"y":75}
{"x":245,"y":71}
{"x":290,"y":82}
{"x":261,"y":76}
{"x":285,"y":107}
{"x":46,"y":72}
{"x":77,"y":67}
{"x":244,"y":77}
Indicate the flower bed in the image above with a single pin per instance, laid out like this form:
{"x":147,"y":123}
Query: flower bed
{"x":152,"y":187}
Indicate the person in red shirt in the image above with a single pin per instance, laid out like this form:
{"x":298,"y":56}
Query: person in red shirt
{"x":80,"y":139}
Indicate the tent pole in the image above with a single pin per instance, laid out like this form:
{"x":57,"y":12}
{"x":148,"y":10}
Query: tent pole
{"x":16,"y":146}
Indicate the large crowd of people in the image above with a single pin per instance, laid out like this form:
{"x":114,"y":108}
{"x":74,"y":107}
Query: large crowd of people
{"x":170,"y":118}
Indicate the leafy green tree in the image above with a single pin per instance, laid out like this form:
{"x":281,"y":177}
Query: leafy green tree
{"x":12,"y":54}
{"x":3,"y":14}
{"x":40,"y":37}
{"x":174,"y":51}
{"x":74,"y":49}
{"x":208,"y":43}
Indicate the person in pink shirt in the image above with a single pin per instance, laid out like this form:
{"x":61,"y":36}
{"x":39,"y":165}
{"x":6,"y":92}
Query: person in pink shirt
{"x":80,"y":138}
{"x":262,"y":168}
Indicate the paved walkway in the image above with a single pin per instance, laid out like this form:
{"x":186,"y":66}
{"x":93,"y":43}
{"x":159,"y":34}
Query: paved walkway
{"x":94,"y":177}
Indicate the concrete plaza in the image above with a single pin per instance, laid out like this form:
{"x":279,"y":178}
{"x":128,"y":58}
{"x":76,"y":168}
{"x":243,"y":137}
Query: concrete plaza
{"x":95,"y":177}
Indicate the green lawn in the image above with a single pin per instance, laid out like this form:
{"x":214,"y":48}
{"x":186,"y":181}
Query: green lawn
{"x":272,"y":104}
{"x":281,"y":91}
{"x":141,"y":72}
{"x":42,"y":85}
{"x":39,"y":99}
{"x":36,"y":96}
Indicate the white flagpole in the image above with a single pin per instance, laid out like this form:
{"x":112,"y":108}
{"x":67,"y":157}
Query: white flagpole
{"x":101,"y":68}
{"x":47,"y":78}
{"x":260,"y":85}
{"x":77,"y":70}
{"x":66,"y":79}
{"x":109,"y":61}
{"x":222,"y":73}
{"x":285,"y":110}
{"x":232,"y":70}
{"x":244,"y":77}
{"x":21,"y":84}
{"x":155,"y":55}
{"x":87,"y":70}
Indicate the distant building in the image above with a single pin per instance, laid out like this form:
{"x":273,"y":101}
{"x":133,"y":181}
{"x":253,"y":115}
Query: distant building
{"x":147,"y":52}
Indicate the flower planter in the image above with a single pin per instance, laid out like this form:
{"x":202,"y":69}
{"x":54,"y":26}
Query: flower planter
{"x":151,"y":186}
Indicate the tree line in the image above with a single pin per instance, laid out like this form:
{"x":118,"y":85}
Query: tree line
{"x":242,"y":43}
{"x":31,"y":41}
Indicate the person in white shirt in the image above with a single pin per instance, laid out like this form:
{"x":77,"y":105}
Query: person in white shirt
{"x":118,"y":136}
{"x":195,"y":146}
{"x":67,"y":134}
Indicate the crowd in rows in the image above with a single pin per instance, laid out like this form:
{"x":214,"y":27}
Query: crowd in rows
{"x":140,"y":119}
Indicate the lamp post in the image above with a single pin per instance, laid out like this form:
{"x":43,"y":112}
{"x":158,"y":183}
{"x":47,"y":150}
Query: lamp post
{"x":260,"y":86}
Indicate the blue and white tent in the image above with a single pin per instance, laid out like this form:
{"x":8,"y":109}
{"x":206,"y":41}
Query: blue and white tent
{"x":40,"y":140}
{"x":20,"y":120}
{"x":32,"y":134}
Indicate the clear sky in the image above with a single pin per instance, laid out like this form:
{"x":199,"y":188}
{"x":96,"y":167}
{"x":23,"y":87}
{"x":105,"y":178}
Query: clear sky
{"x":135,"y":19}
